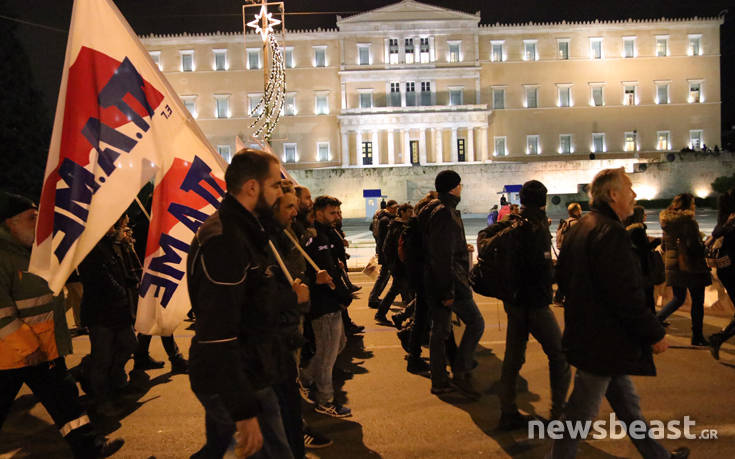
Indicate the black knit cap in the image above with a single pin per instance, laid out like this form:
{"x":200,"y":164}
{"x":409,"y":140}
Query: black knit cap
{"x":446,"y":181}
{"x":13,"y":204}
{"x":533,"y":194}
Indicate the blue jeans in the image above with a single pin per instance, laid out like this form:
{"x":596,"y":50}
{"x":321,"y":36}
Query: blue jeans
{"x":220,"y":427}
{"x":584,"y":404}
{"x":680,"y":295}
{"x":329,"y":335}
{"x":464,"y":306}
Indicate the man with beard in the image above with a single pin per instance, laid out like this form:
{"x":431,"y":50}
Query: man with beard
{"x":301,"y":224}
{"x":240,"y":297}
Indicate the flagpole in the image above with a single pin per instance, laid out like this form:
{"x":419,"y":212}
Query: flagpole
{"x":280,"y":262}
{"x":303,"y":252}
{"x":142,"y":207}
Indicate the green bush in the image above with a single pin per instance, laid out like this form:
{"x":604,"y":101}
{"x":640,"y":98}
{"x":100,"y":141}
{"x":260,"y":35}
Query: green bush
{"x":724,"y":183}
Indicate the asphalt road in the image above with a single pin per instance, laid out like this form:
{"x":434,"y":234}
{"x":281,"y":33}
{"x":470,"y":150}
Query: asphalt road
{"x":395,"y":416}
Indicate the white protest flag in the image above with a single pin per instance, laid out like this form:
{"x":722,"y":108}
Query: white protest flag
{"x":118,"y":125}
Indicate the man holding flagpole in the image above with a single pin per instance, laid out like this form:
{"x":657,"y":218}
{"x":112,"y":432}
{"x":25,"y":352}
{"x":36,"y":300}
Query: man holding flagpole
{"x":239,"y":295}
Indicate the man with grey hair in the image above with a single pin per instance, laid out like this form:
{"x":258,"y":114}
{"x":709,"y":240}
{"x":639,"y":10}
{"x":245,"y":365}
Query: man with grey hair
{"x":609,"y":332}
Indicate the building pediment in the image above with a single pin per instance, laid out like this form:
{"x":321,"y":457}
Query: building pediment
{"x":405,"y":12}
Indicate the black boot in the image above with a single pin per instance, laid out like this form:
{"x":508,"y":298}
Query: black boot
{"x":179,"y":365}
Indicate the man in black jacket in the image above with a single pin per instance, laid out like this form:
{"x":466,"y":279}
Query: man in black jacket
{"x":530,"y":312}
{"x":397,"y":269}
{"x":446,"y":281}
{"x":609,"y":332}
{"x":244,"y":309}
{"x":325,"y":313}
{"x":384,"y":217}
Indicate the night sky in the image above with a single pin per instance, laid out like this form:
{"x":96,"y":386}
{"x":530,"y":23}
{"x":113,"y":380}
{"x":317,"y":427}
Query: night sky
{"x":45,"y":39}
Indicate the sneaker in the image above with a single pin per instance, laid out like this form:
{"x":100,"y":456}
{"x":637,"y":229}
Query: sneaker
{"x":306,"y":393}
{"x":699,"y":341}
{"x":374,"y":304}
{"x":313,"y":440}
{"x":334,"y":410}
{"x":354,"y":329}
{"x":417,"y":365}
{"x":404,"y":335}
{"x":463,"y":384}
{"x":397,"y":320}
{"x":442,"y":389}
{"x":715,"y":341}
{"x":179,"y":365}
{"x":146,"y":362}
{"x":105,"y":448}
{"x":381,"y":319}
{"x":353,"y":289}
{"x":514,"y":421}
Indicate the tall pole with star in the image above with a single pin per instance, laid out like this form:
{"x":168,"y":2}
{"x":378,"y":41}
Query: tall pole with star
{"x":268,"y":110}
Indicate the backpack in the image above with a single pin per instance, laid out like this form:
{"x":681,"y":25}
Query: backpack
{"x":390,"y":244}
{"x":497,"y":272}
{"x":409,"y":243}
{"x":375,"y":223}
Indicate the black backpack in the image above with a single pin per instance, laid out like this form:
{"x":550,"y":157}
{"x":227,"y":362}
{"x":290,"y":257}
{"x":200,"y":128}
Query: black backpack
{"x":498,"y":270}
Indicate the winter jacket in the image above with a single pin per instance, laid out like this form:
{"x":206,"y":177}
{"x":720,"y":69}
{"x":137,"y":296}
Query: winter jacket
{"x":390,"y":246}
{"x":642,"y":246}
{"x":503,"y":212}
{"x":608,"y":330}
{"x":31,"y":318}
{"x":108,"y":285}
{"x":245,"y":310}
{"x":726,"y":229}
{"x":445,"y":245}
{"x":562,"y":230}
{"x":682,"y":237}
{"x":324,"y":300}
{"x":536,"y":266}
{"x":384,"y":220}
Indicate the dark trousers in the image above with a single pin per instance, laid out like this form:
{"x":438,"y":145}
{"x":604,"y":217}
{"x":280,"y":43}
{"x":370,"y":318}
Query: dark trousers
{"x":650,"y":300}
{"x":52,"y":384}
{"x":399,"y":285}
{"x":111,"y":349}
{"x":680,"y":295}
{"x":727,"y":277}
{"x":380,"y":284}
{"x":441,"y":328}
{"x":541,"y":323}
{"x":289,"y":401}
{"x":144,"y":342}
{"x":420,"y":324}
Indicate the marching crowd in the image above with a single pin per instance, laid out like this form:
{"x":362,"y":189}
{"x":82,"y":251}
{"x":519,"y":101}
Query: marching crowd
{"x":270,"y":296}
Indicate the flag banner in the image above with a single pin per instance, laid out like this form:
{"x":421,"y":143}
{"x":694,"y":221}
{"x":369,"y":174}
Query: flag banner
{"x":119,"y":125}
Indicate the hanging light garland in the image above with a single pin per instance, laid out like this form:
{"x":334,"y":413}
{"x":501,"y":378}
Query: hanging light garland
{"x":269,"y":107}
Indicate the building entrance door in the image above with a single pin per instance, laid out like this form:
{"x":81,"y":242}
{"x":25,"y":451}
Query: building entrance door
{"x":414,"y":146}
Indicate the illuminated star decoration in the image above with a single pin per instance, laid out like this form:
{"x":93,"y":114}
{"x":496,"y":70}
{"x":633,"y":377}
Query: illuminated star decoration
{"x":267,"y":21}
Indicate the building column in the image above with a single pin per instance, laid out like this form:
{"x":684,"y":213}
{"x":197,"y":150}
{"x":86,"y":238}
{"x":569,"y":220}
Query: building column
{"x":422,"y":146}
{"x":406,"y":139}
{"x":470,"y":144}
{"x":438,"y":147}
{"x":455,"y":154}
{"x":376,"y":150}
{"x":344,"y":96}
{"x":345,"y":149}
{"x":486,"y":156}
{"x":391,"y":147}
{"x":358,"y":140}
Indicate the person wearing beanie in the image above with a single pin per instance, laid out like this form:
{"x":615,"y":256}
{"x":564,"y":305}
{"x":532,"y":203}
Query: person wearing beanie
{"x":530,"y":312}
{"x":446,"y":278}
{"x":34,"y":338}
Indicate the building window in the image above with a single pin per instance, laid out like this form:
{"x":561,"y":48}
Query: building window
{"x":629,"y":47}
{"x":320,"y":56}
{"x":424,"y":50}
{"x":455,"y":96}
{"x":190,"y":102}
{"x":366,"y":99}
{"x":289,"y":57}
{"x":410,"y":94}
{"x":497,"y":53}
{"x":529,"y":50}
{"x":695,"y":92}
{"x":393,"y":50}
{"x":289,"y":104}
{"x":662,"y":93}
{"x":409,"y":50}
{"x":220,"y":59}
{"x":322,"y":151}
{"x":290,"y":155}
{"x":565,"y":96}
{"x":395,"y":94}
{"x":461,"y":151}
{"x":454,"y":51}
{"x":426,"y":93}
{"x":531,"y":97}
{"x":532,"y":145}
{"x":222,"y":106}
{"x":253,"y":101}
{"x":630,"y":142}
{"x":662,"y":46}
{"x":596,"y":48}
{"x":563,"y":46}
{"x":156,"y":56}
{"x":367,"y":153}
{"x":321,"y":104}
{"x":363,"y":54}
{"x":225,"y":152}
{"x":630,"y":95}
{"x":598,"y":96}
{"x":695,"y":139}
{"x":500,"y":147}
{"x":695,"y":45}
{"x":598,"y":143}
{"x":187,"y":61}
{"x":253,"y":59}
{"x":565,"y":143}
{"x":498,"y":98}
{"x":663,"y":140}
